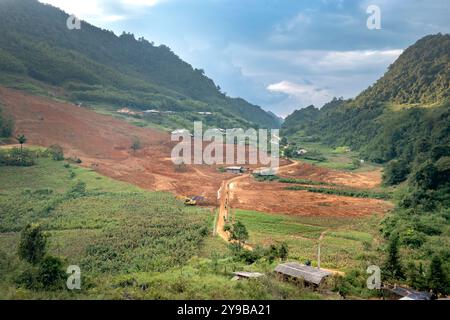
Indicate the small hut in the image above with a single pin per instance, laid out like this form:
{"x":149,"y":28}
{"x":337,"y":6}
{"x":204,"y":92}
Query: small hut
{"x":246,"y":275}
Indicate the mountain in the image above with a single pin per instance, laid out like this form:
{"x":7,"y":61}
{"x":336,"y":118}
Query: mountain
{"x":410,"y":103}
{"x":402,"y":120}
{"x":421,"y":75}
{"x":96,"y":66}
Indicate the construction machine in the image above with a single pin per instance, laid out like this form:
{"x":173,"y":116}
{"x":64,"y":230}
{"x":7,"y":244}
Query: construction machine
{"x":190,"y":201}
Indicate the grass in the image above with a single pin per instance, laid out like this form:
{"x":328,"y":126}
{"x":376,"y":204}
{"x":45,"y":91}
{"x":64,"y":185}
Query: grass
{"x":348,"y":242}
{"x":129,"y":243}
{"x":339,"y":158}
{"x":343,"y":192}
{"x":292,"y":180}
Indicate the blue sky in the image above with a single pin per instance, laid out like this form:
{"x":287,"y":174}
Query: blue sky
{"x":280,"y":54}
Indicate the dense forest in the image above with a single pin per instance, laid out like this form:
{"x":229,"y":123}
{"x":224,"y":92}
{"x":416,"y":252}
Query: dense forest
{"x":403,"y":122}
{"x":96,"y":66}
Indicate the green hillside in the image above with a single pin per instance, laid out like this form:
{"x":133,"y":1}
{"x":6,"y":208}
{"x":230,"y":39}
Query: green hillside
{"x":97,"y":67}
{"x":402,"y":122}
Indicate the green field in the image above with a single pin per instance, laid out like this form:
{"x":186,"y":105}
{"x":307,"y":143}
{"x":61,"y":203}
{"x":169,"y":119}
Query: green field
{"x":339,"y":158}
{"x":129,"y":243}
{"x":348,"y":243}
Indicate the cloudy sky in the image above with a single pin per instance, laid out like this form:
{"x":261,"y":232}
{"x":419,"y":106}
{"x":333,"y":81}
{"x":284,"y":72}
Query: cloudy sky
{"x":280,"y":54}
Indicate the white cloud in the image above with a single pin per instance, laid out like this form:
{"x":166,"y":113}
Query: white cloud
{"x":147,"y":3}
{"x":80,"y":8}
{"x":303,"y":94}
{"x":96,"y":11}
{"x":335,"y":61}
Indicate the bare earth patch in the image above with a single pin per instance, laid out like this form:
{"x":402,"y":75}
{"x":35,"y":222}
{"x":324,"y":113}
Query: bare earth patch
{"x":104,"y":144}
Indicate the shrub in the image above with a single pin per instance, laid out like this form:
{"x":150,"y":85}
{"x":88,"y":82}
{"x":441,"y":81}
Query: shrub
{"x":78,"y":190}
{"x":32,"y":244}
{"x":27,"y":279}
{"x":56,"y":152}
{"x":17,"y":157}
{"x":51,"y":274}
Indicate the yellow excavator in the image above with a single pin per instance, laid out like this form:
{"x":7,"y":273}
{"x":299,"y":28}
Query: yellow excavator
{"x":190,"y":201}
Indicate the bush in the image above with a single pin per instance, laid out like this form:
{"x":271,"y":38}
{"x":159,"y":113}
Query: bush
{"x":78,"y":190}
{"x":51,"y":274}
{"x":56,"y":152}
{"x":32,"y":244}
{"x":17,"y":157}
{"x":27,"y":279}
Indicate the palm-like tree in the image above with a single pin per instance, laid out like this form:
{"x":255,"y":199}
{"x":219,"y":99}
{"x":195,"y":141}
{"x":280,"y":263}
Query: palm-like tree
{"x":22,"y":139}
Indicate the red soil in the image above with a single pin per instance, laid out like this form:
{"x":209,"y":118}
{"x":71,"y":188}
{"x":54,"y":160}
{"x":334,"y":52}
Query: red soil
{"x":103,"y":144}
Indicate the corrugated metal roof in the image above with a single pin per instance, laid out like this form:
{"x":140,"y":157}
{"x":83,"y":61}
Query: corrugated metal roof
{"x":307,"y":273}
{"x":244,"y":274}
{"x":410,"y":293}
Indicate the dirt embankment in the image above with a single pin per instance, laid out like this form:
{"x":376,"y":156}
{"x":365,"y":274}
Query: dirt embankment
{"x":363,"y":180}
{"x":104,"y":144}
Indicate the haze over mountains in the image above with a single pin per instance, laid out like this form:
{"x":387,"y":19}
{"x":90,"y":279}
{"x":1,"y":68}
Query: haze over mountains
{"x":96,"y":66}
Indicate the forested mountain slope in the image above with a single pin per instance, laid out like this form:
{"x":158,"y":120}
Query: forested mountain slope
{"x":96,"y":66}
{"x":403,"y":120}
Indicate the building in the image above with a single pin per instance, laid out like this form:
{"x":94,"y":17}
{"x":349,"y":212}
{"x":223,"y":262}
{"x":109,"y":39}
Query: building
{"x":246,"y":275}
{"x":235,"y":170}
{"x":152,"y":111}
{"x":205,"y":113}
{"x":265,"y":172}
{"x":308,"y":274}
{"x":301,"y":152}
{"x":402,"y":293}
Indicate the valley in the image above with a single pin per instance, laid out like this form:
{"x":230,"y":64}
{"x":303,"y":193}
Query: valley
{"x":89,"y":122}
{"x":102,"y":144}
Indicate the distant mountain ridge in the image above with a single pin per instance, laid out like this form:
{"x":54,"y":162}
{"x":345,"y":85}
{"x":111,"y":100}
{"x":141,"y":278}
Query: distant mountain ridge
{"x":95,"y":65}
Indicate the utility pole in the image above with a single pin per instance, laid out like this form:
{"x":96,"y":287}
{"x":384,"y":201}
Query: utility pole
{"x":318,"y":255}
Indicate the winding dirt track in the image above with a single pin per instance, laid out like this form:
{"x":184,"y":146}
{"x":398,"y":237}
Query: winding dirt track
{"x":225,"y":206}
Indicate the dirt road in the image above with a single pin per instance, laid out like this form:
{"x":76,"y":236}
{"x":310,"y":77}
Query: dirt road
{"x":225,"y":198}
{"x":225,"y":206}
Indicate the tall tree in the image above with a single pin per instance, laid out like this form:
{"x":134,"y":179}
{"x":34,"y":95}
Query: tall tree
{"x":437,"y":279}
{"x":393,"y":267}
{"x":22,"y":140}
{"x":238,"y":233}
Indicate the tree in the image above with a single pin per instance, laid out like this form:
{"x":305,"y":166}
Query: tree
{"x":393,"y":266}
{"x":342,"y":286}
{"x":22,"y":140}
{"x":395,"y":172}
{"x":32,"y":244}
{"x":136,"y":144}
{"x":416,"y":276}
{"x":51,"y":274}
{"x":238,"y":232}
{"x":437,"y":280}
{"x":283,"y":251}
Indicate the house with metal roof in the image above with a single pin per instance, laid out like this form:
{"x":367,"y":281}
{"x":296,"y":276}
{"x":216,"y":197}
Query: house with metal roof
{"x":308,"y":274}
{"x":246,"y":275}
{"x":235,"y":170}
{"x":403,"y":293}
